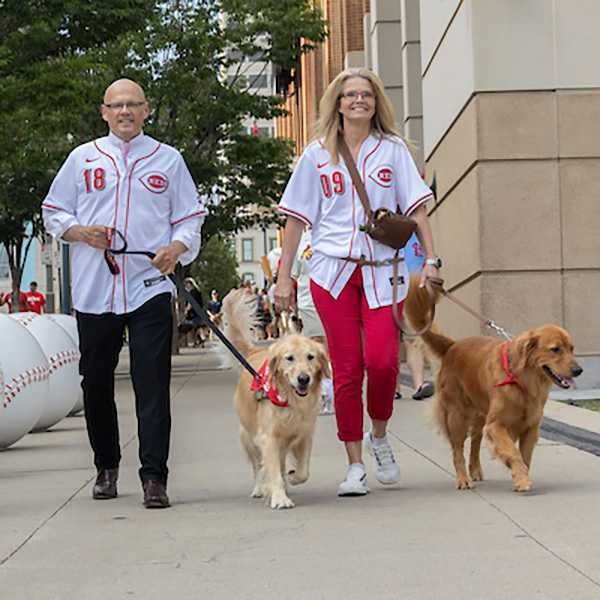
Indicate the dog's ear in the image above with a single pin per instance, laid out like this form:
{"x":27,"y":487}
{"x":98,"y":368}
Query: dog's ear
{"x":522,"y":348}
{"x":274,"y":359}
{"x":532,"y":344}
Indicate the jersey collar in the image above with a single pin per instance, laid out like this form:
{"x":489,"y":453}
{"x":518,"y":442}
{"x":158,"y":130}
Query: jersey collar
{"x":116,"y":141}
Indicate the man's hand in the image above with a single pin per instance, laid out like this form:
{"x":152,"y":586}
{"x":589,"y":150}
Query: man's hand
{"x":166,"y":257}
{"x":93,"y":235}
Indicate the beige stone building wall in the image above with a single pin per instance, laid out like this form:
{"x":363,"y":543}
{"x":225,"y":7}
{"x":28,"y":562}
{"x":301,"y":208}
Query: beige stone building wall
{"x":511,"y":123}
{"x":392,"y":50}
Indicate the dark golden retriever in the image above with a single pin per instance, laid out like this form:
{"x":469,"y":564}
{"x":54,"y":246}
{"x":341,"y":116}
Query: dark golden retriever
{"x":269,"y":432}
{"x":494,"y":388}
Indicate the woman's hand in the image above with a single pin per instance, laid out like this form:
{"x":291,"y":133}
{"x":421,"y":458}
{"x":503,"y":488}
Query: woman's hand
{"x":284,"y":295}
{"x":428,"y":271}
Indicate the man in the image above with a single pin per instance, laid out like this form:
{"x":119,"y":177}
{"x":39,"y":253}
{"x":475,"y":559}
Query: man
{"x":35,"y":299}
{"x":7,"y":299}
{"x":130,"y":183}
{"x":214,"y":309}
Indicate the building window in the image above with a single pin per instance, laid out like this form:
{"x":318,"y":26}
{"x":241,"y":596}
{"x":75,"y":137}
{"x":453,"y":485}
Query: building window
{"x":258,"y":81}
{"x":265,"y":132}
{"x":272,"y":244}
{"x":248,"y":277}
{"x":4,"y":270}
{"x":247,"y":250}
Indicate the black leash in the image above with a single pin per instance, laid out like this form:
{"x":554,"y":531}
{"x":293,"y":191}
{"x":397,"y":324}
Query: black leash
{"x":114,"y":269}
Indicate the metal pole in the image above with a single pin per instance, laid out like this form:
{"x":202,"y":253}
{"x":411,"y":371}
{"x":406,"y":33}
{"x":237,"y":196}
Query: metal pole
{"x":65,"y":296}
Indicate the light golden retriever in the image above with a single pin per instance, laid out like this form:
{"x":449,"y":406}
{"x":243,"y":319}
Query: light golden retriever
{"x":269,"y":432}
{"x":476,"y":394}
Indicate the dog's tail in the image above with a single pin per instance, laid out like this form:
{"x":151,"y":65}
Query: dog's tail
{"x":417,"y":308}
{"x":239,"y":318}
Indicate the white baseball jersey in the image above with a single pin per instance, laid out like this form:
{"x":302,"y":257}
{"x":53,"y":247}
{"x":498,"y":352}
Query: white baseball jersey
{"x":323,"y":196}
{"x":152,"y":202}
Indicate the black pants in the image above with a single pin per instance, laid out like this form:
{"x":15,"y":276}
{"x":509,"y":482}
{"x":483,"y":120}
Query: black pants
{"x":101,"y":340}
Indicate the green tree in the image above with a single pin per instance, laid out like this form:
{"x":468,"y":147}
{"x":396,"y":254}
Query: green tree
{"x":50,"y":85}
{"x":182,"y":60}
{"x":215,"y":269}
{"x":56,"y":58}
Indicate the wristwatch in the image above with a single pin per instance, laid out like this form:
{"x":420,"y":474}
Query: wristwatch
{"x":436,"y":262}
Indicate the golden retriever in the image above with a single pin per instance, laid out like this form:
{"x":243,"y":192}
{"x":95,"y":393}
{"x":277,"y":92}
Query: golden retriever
{"x":269,"y":432}
{"x":494,"y":388}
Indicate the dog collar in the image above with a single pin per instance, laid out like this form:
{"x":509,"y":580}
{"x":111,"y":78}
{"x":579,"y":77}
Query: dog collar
{"x":506,"y":364}
{"x":262,"y":382}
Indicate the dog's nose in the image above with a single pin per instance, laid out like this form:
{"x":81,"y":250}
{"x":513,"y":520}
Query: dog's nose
{"x":303,"y":379}
{"x":576,"y":370}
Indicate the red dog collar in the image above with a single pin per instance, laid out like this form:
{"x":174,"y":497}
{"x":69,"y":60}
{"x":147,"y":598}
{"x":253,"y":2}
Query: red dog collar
{"x":267,"y":386}
{"x":506,"y":363}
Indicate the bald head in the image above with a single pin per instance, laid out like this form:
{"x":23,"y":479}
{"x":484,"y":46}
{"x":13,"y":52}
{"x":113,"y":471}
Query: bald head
{"x":122,"y":86}
{"x":125,"y":108}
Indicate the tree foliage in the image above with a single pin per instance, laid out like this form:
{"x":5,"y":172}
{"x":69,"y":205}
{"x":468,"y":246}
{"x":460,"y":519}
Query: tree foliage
{"x":57,"y":57}
{"x":216,"y":267}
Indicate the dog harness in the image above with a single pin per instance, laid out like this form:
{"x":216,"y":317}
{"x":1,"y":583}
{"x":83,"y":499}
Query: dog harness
{"x":266,"y":385}
{"x":506,"y":364}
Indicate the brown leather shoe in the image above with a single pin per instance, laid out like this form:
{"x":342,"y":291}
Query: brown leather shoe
{"x":105,"y":487}
{"x":155,"y":494}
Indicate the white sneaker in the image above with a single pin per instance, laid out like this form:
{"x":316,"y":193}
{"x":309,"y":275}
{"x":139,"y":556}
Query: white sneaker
{"x":328,"y":408}
{"x":355,"y":483}
{"x":384,"y":466}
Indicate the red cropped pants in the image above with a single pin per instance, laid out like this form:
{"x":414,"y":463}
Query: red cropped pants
{"x":359,"y":339}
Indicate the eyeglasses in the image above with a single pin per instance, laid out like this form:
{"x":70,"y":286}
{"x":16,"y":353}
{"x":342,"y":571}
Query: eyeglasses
{"x":121,"y":105}
{"x":352,"y":96}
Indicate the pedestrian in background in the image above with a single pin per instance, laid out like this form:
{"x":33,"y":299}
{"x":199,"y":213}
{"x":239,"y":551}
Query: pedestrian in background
{"x":35,"y":299}
{"x":415,"y":361}
{"x":191,"y":316}
{"x":311,"y":322}
{"x":143,"y":188}
{"x":214,"y":310}
{"x":7,"y":299}
{"x":351,"y":274}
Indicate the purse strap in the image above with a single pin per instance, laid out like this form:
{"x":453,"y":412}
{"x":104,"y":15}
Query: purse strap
{"x":362,"y":194}
{"x":356,"y":180}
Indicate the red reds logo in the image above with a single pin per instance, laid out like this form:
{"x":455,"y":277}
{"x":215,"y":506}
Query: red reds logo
{"x":155,"y":182}
{"x":383,"y":175}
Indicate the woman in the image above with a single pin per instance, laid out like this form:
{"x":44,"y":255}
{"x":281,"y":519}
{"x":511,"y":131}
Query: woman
{"x":191,"y":315}
{"x":355,"y":301}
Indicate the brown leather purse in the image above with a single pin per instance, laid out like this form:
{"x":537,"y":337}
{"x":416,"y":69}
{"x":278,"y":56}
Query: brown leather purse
{"x":383,"y":225}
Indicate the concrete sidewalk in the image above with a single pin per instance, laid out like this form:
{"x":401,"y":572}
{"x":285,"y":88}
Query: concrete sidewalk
{"x":420,"y":539}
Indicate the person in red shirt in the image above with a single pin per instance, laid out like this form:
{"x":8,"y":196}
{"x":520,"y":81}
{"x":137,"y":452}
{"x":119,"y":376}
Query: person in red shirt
{"x":35,"y":299}
{"x":23,"y":304}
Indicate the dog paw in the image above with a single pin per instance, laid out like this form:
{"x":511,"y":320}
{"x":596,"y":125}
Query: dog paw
{"x":476,"y":474}
{"x":464,"y":484}
{"x":295,"y":478}
{"x":257,"y":492}
{"x":281,"y":501}
{"x":522,"y":486}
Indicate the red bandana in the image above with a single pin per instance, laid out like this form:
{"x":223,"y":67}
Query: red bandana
{"x":511,"y":377}
{"x":267,"y":385}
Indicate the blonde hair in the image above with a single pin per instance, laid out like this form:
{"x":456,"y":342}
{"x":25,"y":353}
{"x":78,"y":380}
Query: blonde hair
{"x":330,"y":121}
{"x":191,"y":281}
